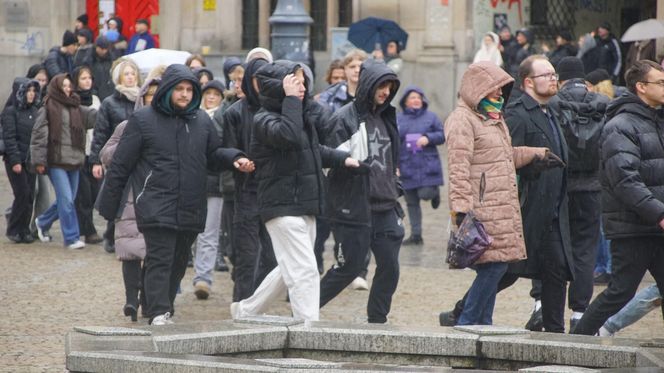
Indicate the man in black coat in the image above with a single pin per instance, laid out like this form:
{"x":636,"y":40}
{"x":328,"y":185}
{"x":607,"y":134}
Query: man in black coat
{"x":543,"y":193}
{"x":632,"y":177}
{"x":580,"y":113}
{"x":102,"y":60}
{"x":363,"y":209}
{"x":60,"y":59}
{"x":164,"y":155}
{"x":607,"y":51}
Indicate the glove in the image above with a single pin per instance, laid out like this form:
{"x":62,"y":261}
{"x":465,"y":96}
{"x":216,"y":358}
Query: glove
{"x":550,"y":160}
{"x":362,"y":170}
{"x":458,"y":218}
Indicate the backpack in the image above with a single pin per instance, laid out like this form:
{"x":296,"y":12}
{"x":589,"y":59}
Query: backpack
{"x":582,"y":123}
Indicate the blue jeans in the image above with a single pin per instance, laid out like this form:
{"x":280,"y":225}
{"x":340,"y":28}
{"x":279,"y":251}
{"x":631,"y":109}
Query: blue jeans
{"x":478,"y":309}
{"x":643,"y":302}
{"x":65,"y":184}
{"x":603,"y":263}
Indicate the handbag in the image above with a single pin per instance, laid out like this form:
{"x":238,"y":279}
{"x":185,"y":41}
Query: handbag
{"x":468,"y":243}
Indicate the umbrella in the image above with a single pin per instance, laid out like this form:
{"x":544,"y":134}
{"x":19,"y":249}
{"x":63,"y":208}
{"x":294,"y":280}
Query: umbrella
{"x":149,"y":58}
{"x":371,"y":32}
{"x":644,"y":30}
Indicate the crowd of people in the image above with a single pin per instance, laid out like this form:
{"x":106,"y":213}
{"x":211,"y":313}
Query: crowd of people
{"x":192,"y":169}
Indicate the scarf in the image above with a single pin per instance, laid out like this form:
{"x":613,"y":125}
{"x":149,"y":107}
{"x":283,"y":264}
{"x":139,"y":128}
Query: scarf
{"x":491,"y":107}
{"x":85,"y":96}
{"x":211,"y":112}
{"x":131,"y":93}
{"x":56,"y":101}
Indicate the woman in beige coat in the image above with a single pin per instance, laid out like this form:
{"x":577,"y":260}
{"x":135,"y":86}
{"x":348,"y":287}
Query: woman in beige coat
{"x":482,"y":167}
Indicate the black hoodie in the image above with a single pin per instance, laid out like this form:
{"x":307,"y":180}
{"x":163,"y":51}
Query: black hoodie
{"x":350,"y":194}
{"x":632,"y":169}
{"x":18,"y":119}
{"x":285,"y":147}
{"x":165,"y":154}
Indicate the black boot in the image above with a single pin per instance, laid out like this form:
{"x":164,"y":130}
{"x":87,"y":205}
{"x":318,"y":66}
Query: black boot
{"x":131,"y":274}
{"x":220,"y":264}
{"x":414,"y":239}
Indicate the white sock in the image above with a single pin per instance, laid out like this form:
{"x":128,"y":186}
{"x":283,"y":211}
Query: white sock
{"x":603,"y":332}
{"x":577,"y":315}
{"x":538,"y":305}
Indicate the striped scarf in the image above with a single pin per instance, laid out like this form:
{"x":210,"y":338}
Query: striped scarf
{"x":491,"y":107}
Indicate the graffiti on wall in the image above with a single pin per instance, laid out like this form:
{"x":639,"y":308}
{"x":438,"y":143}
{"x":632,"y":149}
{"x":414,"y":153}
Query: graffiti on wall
{"x":494,"y":4}
{"x":31,"y":43}
{"x":599,"y":6}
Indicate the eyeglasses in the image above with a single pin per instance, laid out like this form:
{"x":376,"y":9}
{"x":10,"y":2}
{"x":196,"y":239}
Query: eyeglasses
{"x":659,"y":83}
{"x":548,"y":76}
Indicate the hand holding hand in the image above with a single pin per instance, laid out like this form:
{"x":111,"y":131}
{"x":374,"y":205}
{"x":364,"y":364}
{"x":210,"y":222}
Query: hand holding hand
{"x":291,"y":85}
{"x":356,"y":167}
{"x":244,"y":165}
{"x":17,"y":168}
{"x":40,"y":169}
{"x":97,"y":171}
{"x":422,"y":142}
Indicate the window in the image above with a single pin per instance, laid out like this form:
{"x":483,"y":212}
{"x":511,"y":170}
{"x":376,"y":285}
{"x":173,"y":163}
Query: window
{"x":249,"y":24}
{"x":345,"y":13}
{"x":318,"y":32}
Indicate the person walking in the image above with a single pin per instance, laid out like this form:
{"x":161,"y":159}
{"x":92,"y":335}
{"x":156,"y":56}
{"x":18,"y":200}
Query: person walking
{"x":363,"y":209}
{"x":60,"y":59}
{"x":142,"y":39}
{"x":88,"y":185}
{"x":525,"y":48}
{"x":289,"y":163}
{"x":18,"y":120}
{"x":482,"y":164}
{"x":57,"y":147}
{"x":632,"y":151}
{"x":102,"y":61}
{"x":489,"y":50}
{"x":421,"y":173}
{"x":114,"y":109}
{"x":608,"y":52}
{"x":170,"y":203}
{"x":564,"y":48}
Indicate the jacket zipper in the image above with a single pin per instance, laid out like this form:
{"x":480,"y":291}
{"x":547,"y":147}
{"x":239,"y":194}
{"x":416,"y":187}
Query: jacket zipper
{"x":482,"y":186}
{"x":145,"y":184}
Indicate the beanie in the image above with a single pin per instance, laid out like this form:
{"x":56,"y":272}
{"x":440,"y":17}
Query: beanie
{"x":597,"y":76}
{"x":86,"y":33}
{"x":68,"y":38}
{"x":102,"y":42}
{"x":83,"y":18}
{"x":229,"y":65}
{"x":570,"y":68}
{"x":259,"y":51}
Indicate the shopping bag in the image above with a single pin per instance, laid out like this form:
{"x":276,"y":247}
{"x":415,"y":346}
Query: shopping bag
{"x":468,"y":243}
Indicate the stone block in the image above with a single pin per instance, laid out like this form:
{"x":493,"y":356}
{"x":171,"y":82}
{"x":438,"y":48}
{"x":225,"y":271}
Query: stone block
{"x":298,"y":363}
{"x":232,"y":340}
{"x":76,"y":341}
{"x":491,"y":329}
{"x":269,"y":320}
{"x":558,"y":369}
{"x":111,"y":331}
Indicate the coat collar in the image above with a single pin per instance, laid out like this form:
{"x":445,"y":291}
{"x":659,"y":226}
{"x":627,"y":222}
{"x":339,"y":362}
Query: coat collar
{"x":540,"y":120}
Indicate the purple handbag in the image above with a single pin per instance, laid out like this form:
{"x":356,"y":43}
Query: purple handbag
{"x":468,"y":243}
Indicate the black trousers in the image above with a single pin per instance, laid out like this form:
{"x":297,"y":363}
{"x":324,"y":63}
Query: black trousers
{"x":167,"y":251}
{"x":584,"y":222}
{"x":323,"y":230}
{"x":384,"y":239}
{"x":23,"y":186}
{"x":88,"y":188}
{"x":132,"y":275}
{"x":631,"y":258}
{"x":226,"y":231}
{"x":254,"y":257}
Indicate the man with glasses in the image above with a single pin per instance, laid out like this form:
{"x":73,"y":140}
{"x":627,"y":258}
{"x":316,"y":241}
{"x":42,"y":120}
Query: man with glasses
{"x":632,"y":163}
{"x":542,"y":190}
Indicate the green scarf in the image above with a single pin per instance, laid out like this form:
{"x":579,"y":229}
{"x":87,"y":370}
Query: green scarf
{"x":491,"y":108}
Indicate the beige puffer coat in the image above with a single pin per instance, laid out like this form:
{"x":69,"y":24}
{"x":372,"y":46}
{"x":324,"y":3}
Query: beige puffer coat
{"x":482,"y":165}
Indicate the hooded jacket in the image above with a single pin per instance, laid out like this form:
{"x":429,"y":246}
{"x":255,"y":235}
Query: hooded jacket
{"x":490,"y":53}
{"x":18,"y":119}
{"x":285,"y":147}
{"x":483,"y":162}
{"x":101,"y":73}
{"x":522,"y":52}
{"x":562,"y":51}
{"x":164,"y":154}
{"x":632,"y":159}
{"x":419,"y":168}
{"x":57,"y":62}
{"x":348,"y":199}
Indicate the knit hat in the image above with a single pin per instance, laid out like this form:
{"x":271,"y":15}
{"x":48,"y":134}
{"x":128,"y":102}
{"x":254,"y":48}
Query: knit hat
{"x":102,"y":42}
{"x":86,"y":33}
{"x":566,"y":35}
{"x":597,"y":76}
{"x":214,"y":84}
{"x":570,"y":68}
{"x":267,"y":55}
{"x":68,"y":38}
{"x":83,"y":18}
{"x":229,"y":65}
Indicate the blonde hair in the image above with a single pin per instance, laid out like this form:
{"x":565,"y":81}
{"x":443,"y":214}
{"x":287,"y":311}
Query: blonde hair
{"x":156,"y":72}
{"x":120,"y":65}
{"x":605,"y":87}
{"x":355,"y":54}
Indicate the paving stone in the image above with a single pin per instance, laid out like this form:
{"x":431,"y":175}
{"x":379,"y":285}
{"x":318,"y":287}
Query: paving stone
{"x":559,"y":369}
{"x":111,"y":331}
{"x":491,"y":329}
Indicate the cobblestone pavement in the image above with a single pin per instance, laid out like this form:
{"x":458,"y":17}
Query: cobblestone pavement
{"x":46,"y":289}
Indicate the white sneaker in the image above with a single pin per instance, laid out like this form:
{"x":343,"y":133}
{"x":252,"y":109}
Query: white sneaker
{"x":359,"y":284}
{"x":604,"y":332}
{"x":43,"y":235}
{"x":235,"y":310}
{"x":164,"y":319}
{"x":76,"y":245}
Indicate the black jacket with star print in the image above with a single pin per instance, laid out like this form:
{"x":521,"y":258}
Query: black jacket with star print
{"x":349,"y":199}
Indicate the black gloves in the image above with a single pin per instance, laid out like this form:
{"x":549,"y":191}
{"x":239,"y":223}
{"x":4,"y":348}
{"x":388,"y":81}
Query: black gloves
{"x":362,"y":170}
{"x":458,"y":218}
{"x":550,"y":160}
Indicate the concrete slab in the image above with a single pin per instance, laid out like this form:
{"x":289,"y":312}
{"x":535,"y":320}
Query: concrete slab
{"x":559,"y":369}
{"x":111,"y":331}
{"x":491,"y":329}
{"x":269,"y":320}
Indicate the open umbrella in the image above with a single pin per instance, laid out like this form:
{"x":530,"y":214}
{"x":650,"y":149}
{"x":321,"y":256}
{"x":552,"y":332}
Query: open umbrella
{"x":371,"y":32}
{"x":150,"y":58}
{"x":644,"y":30}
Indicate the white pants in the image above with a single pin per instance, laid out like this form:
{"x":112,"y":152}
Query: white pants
{"x":296,"y":272}
{"x":207,"y":242}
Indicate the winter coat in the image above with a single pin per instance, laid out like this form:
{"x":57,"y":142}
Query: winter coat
{"x":289,"y":158}
{"x":632,"y":169}
{"x":609,"y":55}
{"x":113,"y":111}
{"x":335,"y":96}
{"x":57,"y":62}
{"x":510,"y":47}
{"x":482,"y":164}
{"x":421,"y":168}
{"x":348,"y":198}
{"x":84,"y":55}
{"x":164,"y":155}
{"x":147,"y":41}
{"x":101,"y":73}
{"x":18,"y":120}
{"x":578,"y":181}
{"x":129,"y":242}
{"x":68,"y":157}
{"x":521,"y":52}
{"x":529,"y":126}
{"x":562,"y":51}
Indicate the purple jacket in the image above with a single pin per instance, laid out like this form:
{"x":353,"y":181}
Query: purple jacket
{"x":419,"y":167}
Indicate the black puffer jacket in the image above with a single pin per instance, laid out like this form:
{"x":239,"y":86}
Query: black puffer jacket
{"x":101,"y":73}
{"x":18,"y":119}
{"x":632,"y":156}
{"x":348,"y":198}
{"x":114,"y":110}
{"x":164,"y":154}
{"x":57,"y":62}
{"x":285,"y":147}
